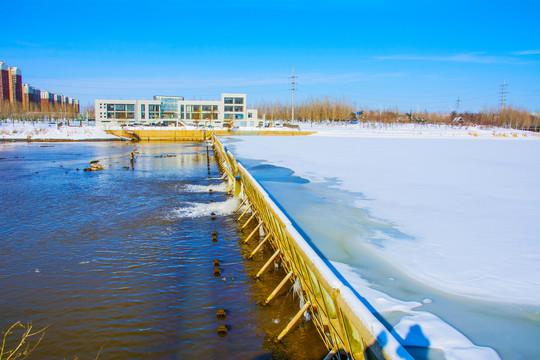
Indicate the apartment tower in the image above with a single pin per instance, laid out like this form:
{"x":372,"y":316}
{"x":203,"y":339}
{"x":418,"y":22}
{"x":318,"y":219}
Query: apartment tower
{"x":15,"y":85}
{"x":31,"y":98}
{"x":4,"y":81}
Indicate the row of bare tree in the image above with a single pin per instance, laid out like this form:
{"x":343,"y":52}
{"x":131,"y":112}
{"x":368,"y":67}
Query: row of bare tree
{"x":313,"y":109}
{"x":34,"y":112}
{"x":325,"y":109}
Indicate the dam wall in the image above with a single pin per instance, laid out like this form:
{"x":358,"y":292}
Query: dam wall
{"x":164,"y":134}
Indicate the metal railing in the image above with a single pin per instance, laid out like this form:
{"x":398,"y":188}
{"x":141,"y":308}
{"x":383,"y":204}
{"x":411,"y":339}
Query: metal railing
{"x":346,"y":322}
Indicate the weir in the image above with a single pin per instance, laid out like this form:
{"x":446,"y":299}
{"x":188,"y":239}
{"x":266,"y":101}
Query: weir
{"x":164,"y":134}
{"x":346,"y":323}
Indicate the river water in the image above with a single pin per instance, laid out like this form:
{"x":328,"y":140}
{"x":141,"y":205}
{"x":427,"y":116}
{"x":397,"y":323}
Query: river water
{"x":118,"y":263}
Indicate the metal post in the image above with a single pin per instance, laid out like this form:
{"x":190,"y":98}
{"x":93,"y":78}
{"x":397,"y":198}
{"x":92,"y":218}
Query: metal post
{"x":293,"y":321}
{"x":245,"y":211}
{"x":239,"y":206}
{"x":249,"y":220}
{"x":259,"y":246}
{"x":276,"y":290}
{"x":272,"y":258}
{"x":253,"y":232}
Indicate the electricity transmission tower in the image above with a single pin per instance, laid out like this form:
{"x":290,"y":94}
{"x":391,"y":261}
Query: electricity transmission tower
{"x":293,"y":88}
{"x":503,"y":94}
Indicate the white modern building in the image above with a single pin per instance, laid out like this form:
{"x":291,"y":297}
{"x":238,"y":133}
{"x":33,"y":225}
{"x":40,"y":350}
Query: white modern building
{"x":230,"y":111}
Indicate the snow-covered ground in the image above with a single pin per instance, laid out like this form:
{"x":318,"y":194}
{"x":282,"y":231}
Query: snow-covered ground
{"x":369,"y":129}
{"x":447,"y":221}
{"x":27,"y":130}
{"x":44,"y":131}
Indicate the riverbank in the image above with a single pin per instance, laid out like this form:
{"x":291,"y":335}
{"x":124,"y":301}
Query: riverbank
{"x":36,"y":131}
{"x":30,"y":131}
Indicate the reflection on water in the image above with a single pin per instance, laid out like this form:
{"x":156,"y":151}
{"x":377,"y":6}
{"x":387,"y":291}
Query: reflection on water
{"x":122,"y":259}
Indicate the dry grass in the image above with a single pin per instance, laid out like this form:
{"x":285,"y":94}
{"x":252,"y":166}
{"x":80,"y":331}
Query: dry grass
{"x":329,"y":110}
{"x":19,"y":341}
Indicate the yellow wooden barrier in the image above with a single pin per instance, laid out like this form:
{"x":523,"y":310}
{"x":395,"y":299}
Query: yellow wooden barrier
{"x":344,"y":321}
{"x":165,"y":134}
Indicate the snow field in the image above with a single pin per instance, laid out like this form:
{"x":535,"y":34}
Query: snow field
{"x":467,"y":207}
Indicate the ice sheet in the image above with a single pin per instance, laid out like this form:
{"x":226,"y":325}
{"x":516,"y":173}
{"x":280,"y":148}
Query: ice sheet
{"x":471,"y":206}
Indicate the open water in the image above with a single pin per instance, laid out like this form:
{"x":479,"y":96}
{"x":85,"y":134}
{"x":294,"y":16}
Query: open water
{"x":118,"y":263}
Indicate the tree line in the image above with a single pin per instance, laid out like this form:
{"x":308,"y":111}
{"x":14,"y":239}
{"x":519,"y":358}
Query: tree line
{"x":34,"y":112}
{"x":341,"y":110}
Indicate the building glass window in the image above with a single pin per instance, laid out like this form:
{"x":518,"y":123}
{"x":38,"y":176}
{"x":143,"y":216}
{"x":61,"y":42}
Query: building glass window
{"x":229,"y":108}
{"x":119,"y":111}
{"x":154,"y":111}
{"x":228,"y":100}
{"x":238,"y":108}
{"x":238,"y":100}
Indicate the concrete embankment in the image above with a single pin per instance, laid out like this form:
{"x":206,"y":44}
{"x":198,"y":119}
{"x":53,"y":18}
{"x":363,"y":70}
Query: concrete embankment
{"x":195,"y":135}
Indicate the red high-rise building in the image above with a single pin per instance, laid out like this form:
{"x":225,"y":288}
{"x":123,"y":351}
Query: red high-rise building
{"x":29,"y":97}
{"x":4,"y":82}
{"x":15,"y":85}
{"x":47,"y":101}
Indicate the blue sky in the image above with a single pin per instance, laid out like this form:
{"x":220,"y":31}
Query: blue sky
{"x":378,"y":54}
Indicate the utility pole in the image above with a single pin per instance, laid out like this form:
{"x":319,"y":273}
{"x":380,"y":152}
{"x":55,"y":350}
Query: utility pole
{"x":458,"y":104}
{"x":293,"y":83}
{"x":503,"y":93}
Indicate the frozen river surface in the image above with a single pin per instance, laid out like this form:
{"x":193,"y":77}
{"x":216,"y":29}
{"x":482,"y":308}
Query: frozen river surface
{"x":440,"y":235}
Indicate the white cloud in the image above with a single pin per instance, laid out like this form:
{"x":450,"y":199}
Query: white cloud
{"x":476,"y":57}
{"x":526,"y":52}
